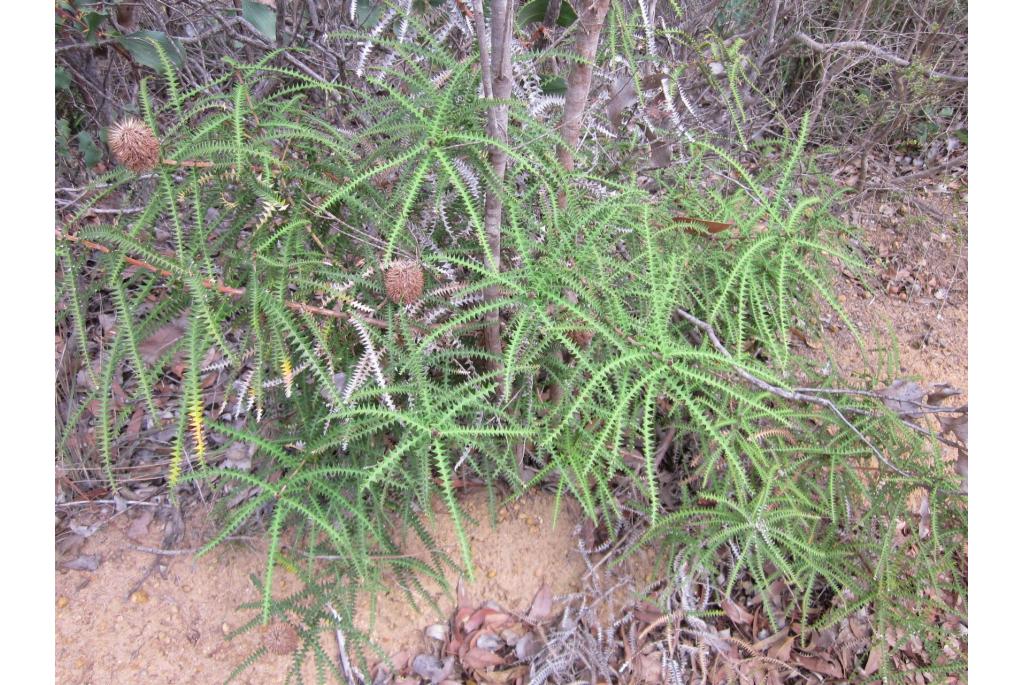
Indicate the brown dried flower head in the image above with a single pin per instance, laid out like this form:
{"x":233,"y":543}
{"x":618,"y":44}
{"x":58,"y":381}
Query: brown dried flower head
{"x":134,"y":145}
{"x":581,"y":337}
{"x":281,"y":638}
{"x":403,"y":281}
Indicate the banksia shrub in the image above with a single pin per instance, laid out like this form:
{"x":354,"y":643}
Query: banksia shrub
{"x":134,"y":145}
{"x":403,"y":281}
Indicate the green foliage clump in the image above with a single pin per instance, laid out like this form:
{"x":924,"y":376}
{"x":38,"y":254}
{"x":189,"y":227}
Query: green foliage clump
{"x":361,"y":411}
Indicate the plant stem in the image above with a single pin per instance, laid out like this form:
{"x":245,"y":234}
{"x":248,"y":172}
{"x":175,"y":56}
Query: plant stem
{"x":496,"y":71}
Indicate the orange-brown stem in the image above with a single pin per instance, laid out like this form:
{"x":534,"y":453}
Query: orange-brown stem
{"x":222,"y":288}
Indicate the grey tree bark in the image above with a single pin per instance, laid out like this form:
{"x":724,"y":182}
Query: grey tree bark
{"x":591,"y":19}
{"x":496,"y":72}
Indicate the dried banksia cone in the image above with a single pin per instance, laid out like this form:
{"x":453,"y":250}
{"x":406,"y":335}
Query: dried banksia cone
{"x":581,"y":337}
{"x":134,"y":145}
{"x":403,"y":281}
{"x":281,"y":638}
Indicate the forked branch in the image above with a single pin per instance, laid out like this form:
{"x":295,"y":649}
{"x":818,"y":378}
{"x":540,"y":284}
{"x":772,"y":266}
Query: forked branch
{"x":796,"y":396}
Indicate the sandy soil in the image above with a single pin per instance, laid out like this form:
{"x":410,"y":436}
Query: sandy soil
{"x":171,"y":629}
{"x":918,"y":291}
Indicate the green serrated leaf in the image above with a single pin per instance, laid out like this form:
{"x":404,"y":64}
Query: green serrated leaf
{"x":63,"y":138}
{"x":145,"y":53}
{"x":92,"y":23}
{"x":61,"y":79}
{"x":534,"y":10}
{"x":263,"y":17}
{"x":91,"y":152}
{"x":368,"y":14}
{"x":554,"y":85}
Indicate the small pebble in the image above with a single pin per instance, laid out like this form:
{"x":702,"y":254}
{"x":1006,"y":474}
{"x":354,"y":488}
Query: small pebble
{"x":224,"y":628}
{"x":62,"y":602}
{"x":139,"y":597}
{"x":492,"y":573}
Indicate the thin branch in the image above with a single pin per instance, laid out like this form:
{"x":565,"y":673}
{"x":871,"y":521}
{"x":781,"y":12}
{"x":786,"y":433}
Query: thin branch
{"x":591,"y":20}
{"x":790,"y":395}
{"x":229,"y":290}
{"x":864,"y":46}
{"x":346,"y":666}
{"x":180,"y":39}
{"x":496,"y":68}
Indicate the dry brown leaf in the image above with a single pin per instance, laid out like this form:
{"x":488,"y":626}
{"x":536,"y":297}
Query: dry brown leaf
{"x":661,"y":154}
{"x":623,"y":95}
{"x":479,"y":659}
{"x":771,"y":640}
{"x":648,"y":613}
{"x":540,"y":608}
{"x":497,"y":620}
{"x":85,"y":562}
{"x":941,"y":391}
{"x":957,"y":424}
{"x":82,"y":529}
{"x":903,"y":397}
{"x":131,"y":431}
{"x":68,"y":546}
{"x":437,"y":631}
{"x":803,"y":337}
{"x":431,"y":668}
{"x":648,"y":667}
{"x":705,"y":225}
{"x":139,"y":528}
{"x":508,"y":676}
{"x":239,"y":456}
{"x":783,"y":650}
{"x":528,"y":646}
{"x":155,"y":345}
{"x":738,"y":614}
{"x":819,"y":665}
{"x":873,"y":662}
{"x":961,"y":467}
{"x":487,"y":641}
{"x":924,"y":526}
{"x":476,"y":619}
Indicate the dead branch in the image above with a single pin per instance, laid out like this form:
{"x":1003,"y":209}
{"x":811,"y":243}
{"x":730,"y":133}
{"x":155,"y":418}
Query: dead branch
{"x":796,"y":396}
{"x":229,"y":290}
{"x":864,"y":46}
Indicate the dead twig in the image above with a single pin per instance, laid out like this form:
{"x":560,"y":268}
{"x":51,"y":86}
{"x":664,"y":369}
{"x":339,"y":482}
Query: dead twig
{"x":352,"y":675}
{"x":232,"y":291}
{"x":864,"y":46}
{"x":792,"y":395}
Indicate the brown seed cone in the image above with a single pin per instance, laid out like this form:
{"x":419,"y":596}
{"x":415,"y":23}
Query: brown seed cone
{"x":581,"y":337}
{"x":403,"y":281}
{"x":281,"y":638}
{"x":134,"y":145}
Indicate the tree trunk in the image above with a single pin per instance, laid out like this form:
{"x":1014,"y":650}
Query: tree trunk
{"x":591,"y":19}
{"x":496,"y":68}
